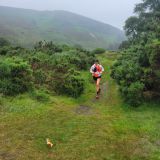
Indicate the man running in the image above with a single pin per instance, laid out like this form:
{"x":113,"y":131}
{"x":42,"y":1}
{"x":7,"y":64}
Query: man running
{"x":97,"y":71}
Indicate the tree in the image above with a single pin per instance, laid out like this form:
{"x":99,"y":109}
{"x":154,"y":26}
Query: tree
{"x":137,"y":71}
{"x":131,"y":27}
{"x":4,"y":42}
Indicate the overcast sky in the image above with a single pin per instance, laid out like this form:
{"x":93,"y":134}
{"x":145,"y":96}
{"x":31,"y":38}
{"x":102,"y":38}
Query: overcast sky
{"x":113,"y":12}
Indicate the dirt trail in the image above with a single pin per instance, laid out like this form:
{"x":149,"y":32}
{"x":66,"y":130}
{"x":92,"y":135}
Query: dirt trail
{"x":84,"y":110}
{"x":104,"y":90}
{"x":104,"y":95}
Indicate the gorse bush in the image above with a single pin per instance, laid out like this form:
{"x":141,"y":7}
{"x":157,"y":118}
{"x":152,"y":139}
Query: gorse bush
{"x":15,"y":76}
{"x":57,"y":69}
{"x":127,"y":74}
{"x":48,"y":47}
{"x":133,"y":93}
{"x":4,"y":42}
{"x":74,"y":85}
{"x":98,"y":51}
{"x":69,"y":83}
{"x":49,"y":66}
{"x":4,"y":50}
{"x":39,"y":76}
{"x":137,"y":71}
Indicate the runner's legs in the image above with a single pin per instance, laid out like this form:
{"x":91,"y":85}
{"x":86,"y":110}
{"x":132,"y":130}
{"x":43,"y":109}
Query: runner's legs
{"x":98,"y":84}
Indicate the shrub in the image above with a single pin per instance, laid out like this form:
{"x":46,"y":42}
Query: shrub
{"x":48,"y":47}
{"x":142,"y":49}
{"x":39,"y":76}
{"x":74,"y":86}
{"x":98,"y":51}
{"x":4,"y":50}
{"x":70,"y":84}
{"x":15,"y":76}
{"x":133,"y":94}
{"x":49,"y":66}
{"x":129,"y":75}
{"x":40,"y":95}
{"x":4,"y":42}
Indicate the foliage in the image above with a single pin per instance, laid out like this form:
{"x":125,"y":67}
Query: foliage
{"x":15,"y":76}
{"x":40,"y":95}
{"x":137,"y":71}
{"x":57,"y":68}
{"x":133,"y":93}
{"x":4,"y":42}
{"x":54,"y":67}
{"x":69,"y":83}
{"x":39,"y":76}
{"x":124,"y":45}
{"x":4,"y":50}
{"x":98,"y":51}
{"x":48,"y":47}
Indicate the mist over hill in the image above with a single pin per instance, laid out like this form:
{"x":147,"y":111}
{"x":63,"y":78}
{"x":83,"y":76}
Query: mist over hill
{"x":25,"y":27}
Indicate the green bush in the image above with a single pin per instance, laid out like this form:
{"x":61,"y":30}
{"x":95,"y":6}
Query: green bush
{"x":4,"y":50}
{"x":48,"y":47}
{"x":133,"y":94}
{"x":138,"y":70}
{"x":98,"y":51}
{"x":74,"y":86}
{"x":39,"y":77}
{"x":49,"y":66}
{"x":15,"y":76}
{"x":70,"y":84}
{"x":129,"y":75}
{"x":4,"y":42}
{"x":40,"y":95}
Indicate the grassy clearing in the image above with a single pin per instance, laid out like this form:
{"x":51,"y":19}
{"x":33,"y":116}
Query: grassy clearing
{"x":104,"y":129}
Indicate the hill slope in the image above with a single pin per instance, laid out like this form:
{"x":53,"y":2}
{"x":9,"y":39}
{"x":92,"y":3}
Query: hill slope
{"x":25,"y":27}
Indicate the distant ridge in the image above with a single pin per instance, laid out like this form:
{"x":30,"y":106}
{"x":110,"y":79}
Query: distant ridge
{"x":25,"y":27}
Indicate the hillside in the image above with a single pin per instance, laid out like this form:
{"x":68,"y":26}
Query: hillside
{"x":25,"y":27}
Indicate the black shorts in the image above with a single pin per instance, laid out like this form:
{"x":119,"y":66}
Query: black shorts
{"x":95,"y":78}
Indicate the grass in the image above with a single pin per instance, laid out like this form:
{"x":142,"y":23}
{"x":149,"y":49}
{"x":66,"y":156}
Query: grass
{"x":104,"y":129}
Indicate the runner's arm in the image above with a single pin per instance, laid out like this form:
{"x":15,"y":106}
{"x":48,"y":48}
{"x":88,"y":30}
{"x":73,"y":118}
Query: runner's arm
{"x":91,"y":69}
{"x":102,"y":69}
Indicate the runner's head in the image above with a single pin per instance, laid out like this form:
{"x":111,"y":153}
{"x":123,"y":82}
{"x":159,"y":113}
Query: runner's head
{"x":96,"y":61}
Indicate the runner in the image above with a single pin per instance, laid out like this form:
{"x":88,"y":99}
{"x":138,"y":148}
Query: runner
{"x":97,"y":71}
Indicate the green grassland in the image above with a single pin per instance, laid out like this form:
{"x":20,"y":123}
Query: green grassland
{"x":80,"y":129}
